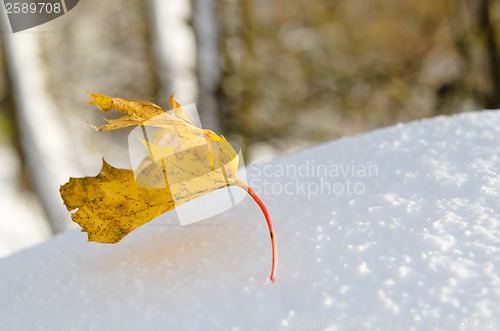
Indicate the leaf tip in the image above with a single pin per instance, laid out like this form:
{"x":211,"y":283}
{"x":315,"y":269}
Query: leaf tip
{"x":92,"y":125}
{"x":90,"y":102}
{"x":105,"y":165}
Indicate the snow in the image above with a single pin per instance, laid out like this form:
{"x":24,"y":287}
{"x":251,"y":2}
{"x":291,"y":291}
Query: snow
{"x":395,"y":229}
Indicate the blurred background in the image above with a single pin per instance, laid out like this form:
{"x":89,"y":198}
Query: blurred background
{"x":274,"y":76}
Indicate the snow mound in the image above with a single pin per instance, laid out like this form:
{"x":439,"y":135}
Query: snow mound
{"x":396,"y":228}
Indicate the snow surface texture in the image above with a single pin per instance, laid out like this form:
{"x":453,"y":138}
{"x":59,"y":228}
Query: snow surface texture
{"x":416,"y":242}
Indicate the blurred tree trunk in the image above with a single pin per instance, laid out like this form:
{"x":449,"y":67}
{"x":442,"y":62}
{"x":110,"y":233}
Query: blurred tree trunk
{"x":487,"y":31}
{"x":208,"y":66}
{"x":41,"y":134}
{"x":476,"y":43}
{"x":239,"y":73}
{"x":175,"y":48}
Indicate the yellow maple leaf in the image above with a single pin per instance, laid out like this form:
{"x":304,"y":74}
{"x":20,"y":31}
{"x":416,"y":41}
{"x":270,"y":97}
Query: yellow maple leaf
{"x":183,"y":162}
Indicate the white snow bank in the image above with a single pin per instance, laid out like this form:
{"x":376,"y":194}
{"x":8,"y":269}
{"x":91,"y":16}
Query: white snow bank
{"x":414,"y":243}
